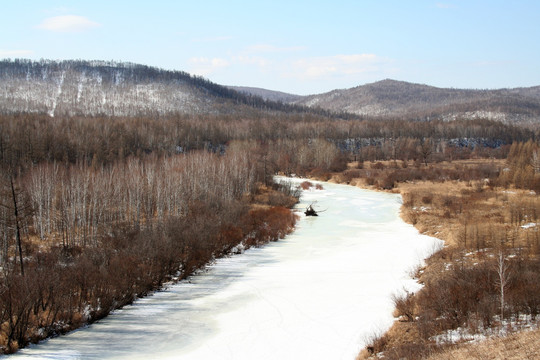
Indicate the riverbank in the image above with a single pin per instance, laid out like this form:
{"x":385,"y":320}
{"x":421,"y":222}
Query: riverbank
{"x":65,"y":288}
{"x":490,"y":235}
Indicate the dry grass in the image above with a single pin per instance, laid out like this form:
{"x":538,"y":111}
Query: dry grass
{"x":400,"y":333}
{"x":461,"y":212}
{"x":519,"y":346}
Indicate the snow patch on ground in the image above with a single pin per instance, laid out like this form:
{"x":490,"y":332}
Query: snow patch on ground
{"x":58,"y":93}
{"x":507,"y":327}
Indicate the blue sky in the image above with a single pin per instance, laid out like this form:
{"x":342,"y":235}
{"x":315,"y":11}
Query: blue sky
{"x":301,"y":47}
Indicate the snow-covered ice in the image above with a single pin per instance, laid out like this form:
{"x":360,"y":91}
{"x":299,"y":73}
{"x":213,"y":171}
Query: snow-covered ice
{"x":318,"y":294}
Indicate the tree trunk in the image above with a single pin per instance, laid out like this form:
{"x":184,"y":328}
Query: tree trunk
{"x":17,"y":227}
{"x":502,"y":282}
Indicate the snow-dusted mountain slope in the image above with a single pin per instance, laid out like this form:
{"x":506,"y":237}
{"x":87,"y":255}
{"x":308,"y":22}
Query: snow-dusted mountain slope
{"x":110,"y":88}
{"x":390,"y":98}
{"x":271,"y":95}
{"x":126,"y":89}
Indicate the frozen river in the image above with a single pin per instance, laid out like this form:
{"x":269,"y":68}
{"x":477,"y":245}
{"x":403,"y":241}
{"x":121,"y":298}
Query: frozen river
{"x":317,"y":294}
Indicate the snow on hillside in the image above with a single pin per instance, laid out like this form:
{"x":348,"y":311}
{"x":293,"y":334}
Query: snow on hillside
{"x":97,"y":88}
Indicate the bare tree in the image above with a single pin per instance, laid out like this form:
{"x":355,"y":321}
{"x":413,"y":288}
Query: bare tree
{"x":503,"y":279}
{"x":16,"y":209}
{"x":425,"y":150}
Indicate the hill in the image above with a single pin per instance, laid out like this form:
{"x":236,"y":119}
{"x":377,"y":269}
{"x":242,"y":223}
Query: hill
{"x":390,"y":98}
{"x":94,"y":88}
{"x":270,"y":95}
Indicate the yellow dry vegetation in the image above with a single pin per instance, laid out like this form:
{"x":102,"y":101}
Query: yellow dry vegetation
{"x":460,"y":213}
{"x":521,"y":346}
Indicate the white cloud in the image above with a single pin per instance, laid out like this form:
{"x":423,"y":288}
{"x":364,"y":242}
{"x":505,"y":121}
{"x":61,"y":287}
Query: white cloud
{"x":251,"y":60}
{"x":204,"y":66}
{"x":15,"y":53}
{"x":336,"y":65}
{"x":267,"y":48}
{"x":67,"y":23}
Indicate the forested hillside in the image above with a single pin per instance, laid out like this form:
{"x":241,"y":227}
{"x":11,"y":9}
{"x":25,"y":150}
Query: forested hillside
{"x":100,"y":88}
{"x":278,"y":96}
{"x":398,"y":99}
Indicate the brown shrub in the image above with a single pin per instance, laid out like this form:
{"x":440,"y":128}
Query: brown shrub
{"x":305,"y":185}
{"x":427,"y":199}
{"x":276,"y":198}
{"x":339,"y":162}
{"x":386,"y":182}
{"x":321,"y":174}
{"x":377,"y":343}
{"x":405,"y":305}
{"x":270,"y":224}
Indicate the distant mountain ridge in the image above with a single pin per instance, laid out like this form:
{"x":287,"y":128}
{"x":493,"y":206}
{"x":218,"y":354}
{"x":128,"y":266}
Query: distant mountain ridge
{"x":391,"y":98}
{"x":271,"y":95}
{"x":94,"y":88}
{"x":399,"y":99}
